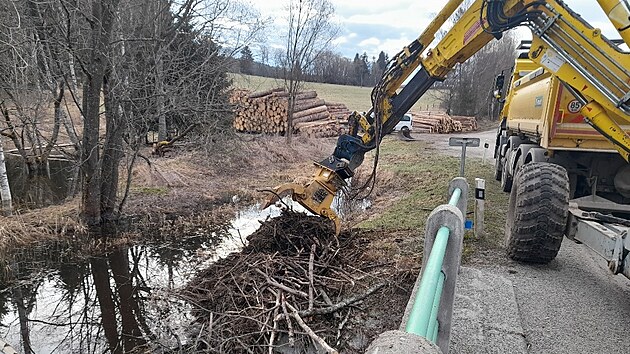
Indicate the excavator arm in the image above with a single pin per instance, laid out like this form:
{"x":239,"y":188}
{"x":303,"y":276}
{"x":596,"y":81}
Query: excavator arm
{"x":593,"y":69}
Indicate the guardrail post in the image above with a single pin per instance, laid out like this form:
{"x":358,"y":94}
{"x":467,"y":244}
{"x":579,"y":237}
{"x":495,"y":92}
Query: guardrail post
{"x":447,"y":215}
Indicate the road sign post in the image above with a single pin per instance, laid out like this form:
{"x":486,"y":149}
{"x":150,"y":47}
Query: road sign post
{"x":464,"y":143}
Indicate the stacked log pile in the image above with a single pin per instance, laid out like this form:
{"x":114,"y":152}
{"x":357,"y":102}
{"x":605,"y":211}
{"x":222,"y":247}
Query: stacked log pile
{"x":441,"y":123}
{"x":267,"y":112}
{"x":469,"y":124}
{"x":338,"y":110}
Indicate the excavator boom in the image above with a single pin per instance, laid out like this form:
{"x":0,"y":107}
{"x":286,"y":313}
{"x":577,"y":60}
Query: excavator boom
{"x":590,"y":66}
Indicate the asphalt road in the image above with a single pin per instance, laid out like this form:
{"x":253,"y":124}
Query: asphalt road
{"x":439,"y":142}
{"x":571,"y":305}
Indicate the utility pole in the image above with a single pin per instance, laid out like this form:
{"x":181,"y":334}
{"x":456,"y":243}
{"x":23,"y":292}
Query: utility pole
{"x":5,"y":191}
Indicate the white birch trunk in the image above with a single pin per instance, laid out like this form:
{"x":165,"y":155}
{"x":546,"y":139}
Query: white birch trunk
{"x":5,"y":191}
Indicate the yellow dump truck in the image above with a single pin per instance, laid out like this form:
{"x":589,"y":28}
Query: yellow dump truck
{"x":564,"y":176}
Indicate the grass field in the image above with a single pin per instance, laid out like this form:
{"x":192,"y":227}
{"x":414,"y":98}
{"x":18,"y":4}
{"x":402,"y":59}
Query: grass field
{"x":356,"y":98}
{"x":425,"y":177}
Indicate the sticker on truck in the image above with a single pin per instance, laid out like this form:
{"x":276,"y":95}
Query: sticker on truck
{"x":574,"y":106}
{"x":552,"y":61}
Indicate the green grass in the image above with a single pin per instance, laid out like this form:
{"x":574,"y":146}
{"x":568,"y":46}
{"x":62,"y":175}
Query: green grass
{"x":426,"y":176}
{"x":356,"y":98}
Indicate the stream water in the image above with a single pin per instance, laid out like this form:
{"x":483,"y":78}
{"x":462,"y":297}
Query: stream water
{"x":53,"y":300}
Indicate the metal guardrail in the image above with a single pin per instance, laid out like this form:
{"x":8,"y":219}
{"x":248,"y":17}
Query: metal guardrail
{"x":426,"y":324}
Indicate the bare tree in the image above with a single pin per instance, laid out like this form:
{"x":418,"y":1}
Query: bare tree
{"x":467,"y":89}
{"x":309,"y":33}
{"x":5,"y":191}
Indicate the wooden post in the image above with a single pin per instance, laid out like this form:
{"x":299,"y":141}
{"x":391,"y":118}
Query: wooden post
{"x":5,"y":191}
{"x":480,"y":196}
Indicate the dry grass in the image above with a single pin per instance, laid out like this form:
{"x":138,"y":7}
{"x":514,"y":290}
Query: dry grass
{"x":50,"y":223}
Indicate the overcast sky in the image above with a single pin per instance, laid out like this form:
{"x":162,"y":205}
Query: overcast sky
{"x":388,"y":25}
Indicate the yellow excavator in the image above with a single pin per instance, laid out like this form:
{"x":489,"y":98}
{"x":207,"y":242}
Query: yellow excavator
{"x":593,"y":70}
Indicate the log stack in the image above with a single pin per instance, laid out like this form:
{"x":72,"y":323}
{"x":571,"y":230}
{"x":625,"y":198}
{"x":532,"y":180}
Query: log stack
{"x":338,"y":110}
{"x":441,"y":123}
{"x":267,"y":112}
{"x":469,"y":124}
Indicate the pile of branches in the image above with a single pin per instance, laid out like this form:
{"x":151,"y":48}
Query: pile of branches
{"x":293,"y":287}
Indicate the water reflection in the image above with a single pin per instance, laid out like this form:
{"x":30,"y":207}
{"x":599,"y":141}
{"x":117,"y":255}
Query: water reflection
{"x":55,"y":300}
{"x":43,"y":188}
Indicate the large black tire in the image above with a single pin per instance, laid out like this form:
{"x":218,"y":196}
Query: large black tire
{"x":537,"y":213}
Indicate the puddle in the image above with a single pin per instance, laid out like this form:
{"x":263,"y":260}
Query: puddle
{"x":53,"y":301}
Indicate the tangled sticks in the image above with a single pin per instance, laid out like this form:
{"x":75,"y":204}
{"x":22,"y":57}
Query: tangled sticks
{"x":295,"y":284}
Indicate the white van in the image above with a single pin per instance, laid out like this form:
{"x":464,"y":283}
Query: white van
{"x":405,"y":123}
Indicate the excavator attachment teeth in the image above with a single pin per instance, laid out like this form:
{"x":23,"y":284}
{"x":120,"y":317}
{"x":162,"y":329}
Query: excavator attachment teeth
{"x":316,"y":196}
{"x":405,"y":134}
{"x":278,"y":193}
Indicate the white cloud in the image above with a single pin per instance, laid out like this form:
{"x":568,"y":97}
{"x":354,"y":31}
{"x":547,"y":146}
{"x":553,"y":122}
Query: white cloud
{"x":372,"y":41}
{"x":340,"y":40}
{"x":372,"y":26}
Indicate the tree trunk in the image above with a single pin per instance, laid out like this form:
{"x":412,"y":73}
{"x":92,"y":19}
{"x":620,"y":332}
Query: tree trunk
{"x":112,"y":153}
{"x":131,"y":334}
{"x":25,"y":333}
{"x":159,"y":90}
{"x":5,"y":191}
{"x":58,"y":112}
{"x":102,"y":20}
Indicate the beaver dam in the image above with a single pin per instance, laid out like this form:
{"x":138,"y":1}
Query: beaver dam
{"x":294,"y":287}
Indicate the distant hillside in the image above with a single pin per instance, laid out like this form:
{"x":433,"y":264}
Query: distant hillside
{"x":356,"y":98}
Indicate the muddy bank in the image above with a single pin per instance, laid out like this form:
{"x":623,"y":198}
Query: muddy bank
{"x":185,"y":186}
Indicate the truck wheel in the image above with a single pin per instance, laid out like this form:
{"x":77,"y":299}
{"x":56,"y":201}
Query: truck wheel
{"x":537,"y":212}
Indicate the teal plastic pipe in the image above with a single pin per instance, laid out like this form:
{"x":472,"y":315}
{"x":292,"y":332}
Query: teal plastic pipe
{"x":433,"y":323}
{"x":421,"y":312}
{"x":457,"y":193}
{"x":420,"y":316}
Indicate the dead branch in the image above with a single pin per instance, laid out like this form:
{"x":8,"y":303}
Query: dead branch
{"x":276,"y":310}
{"x":347,"y":302}
{"x":310,"y":332}
{"x":310,"y":278}
{"x":281,"y":286}
{"x":288,"y":319}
